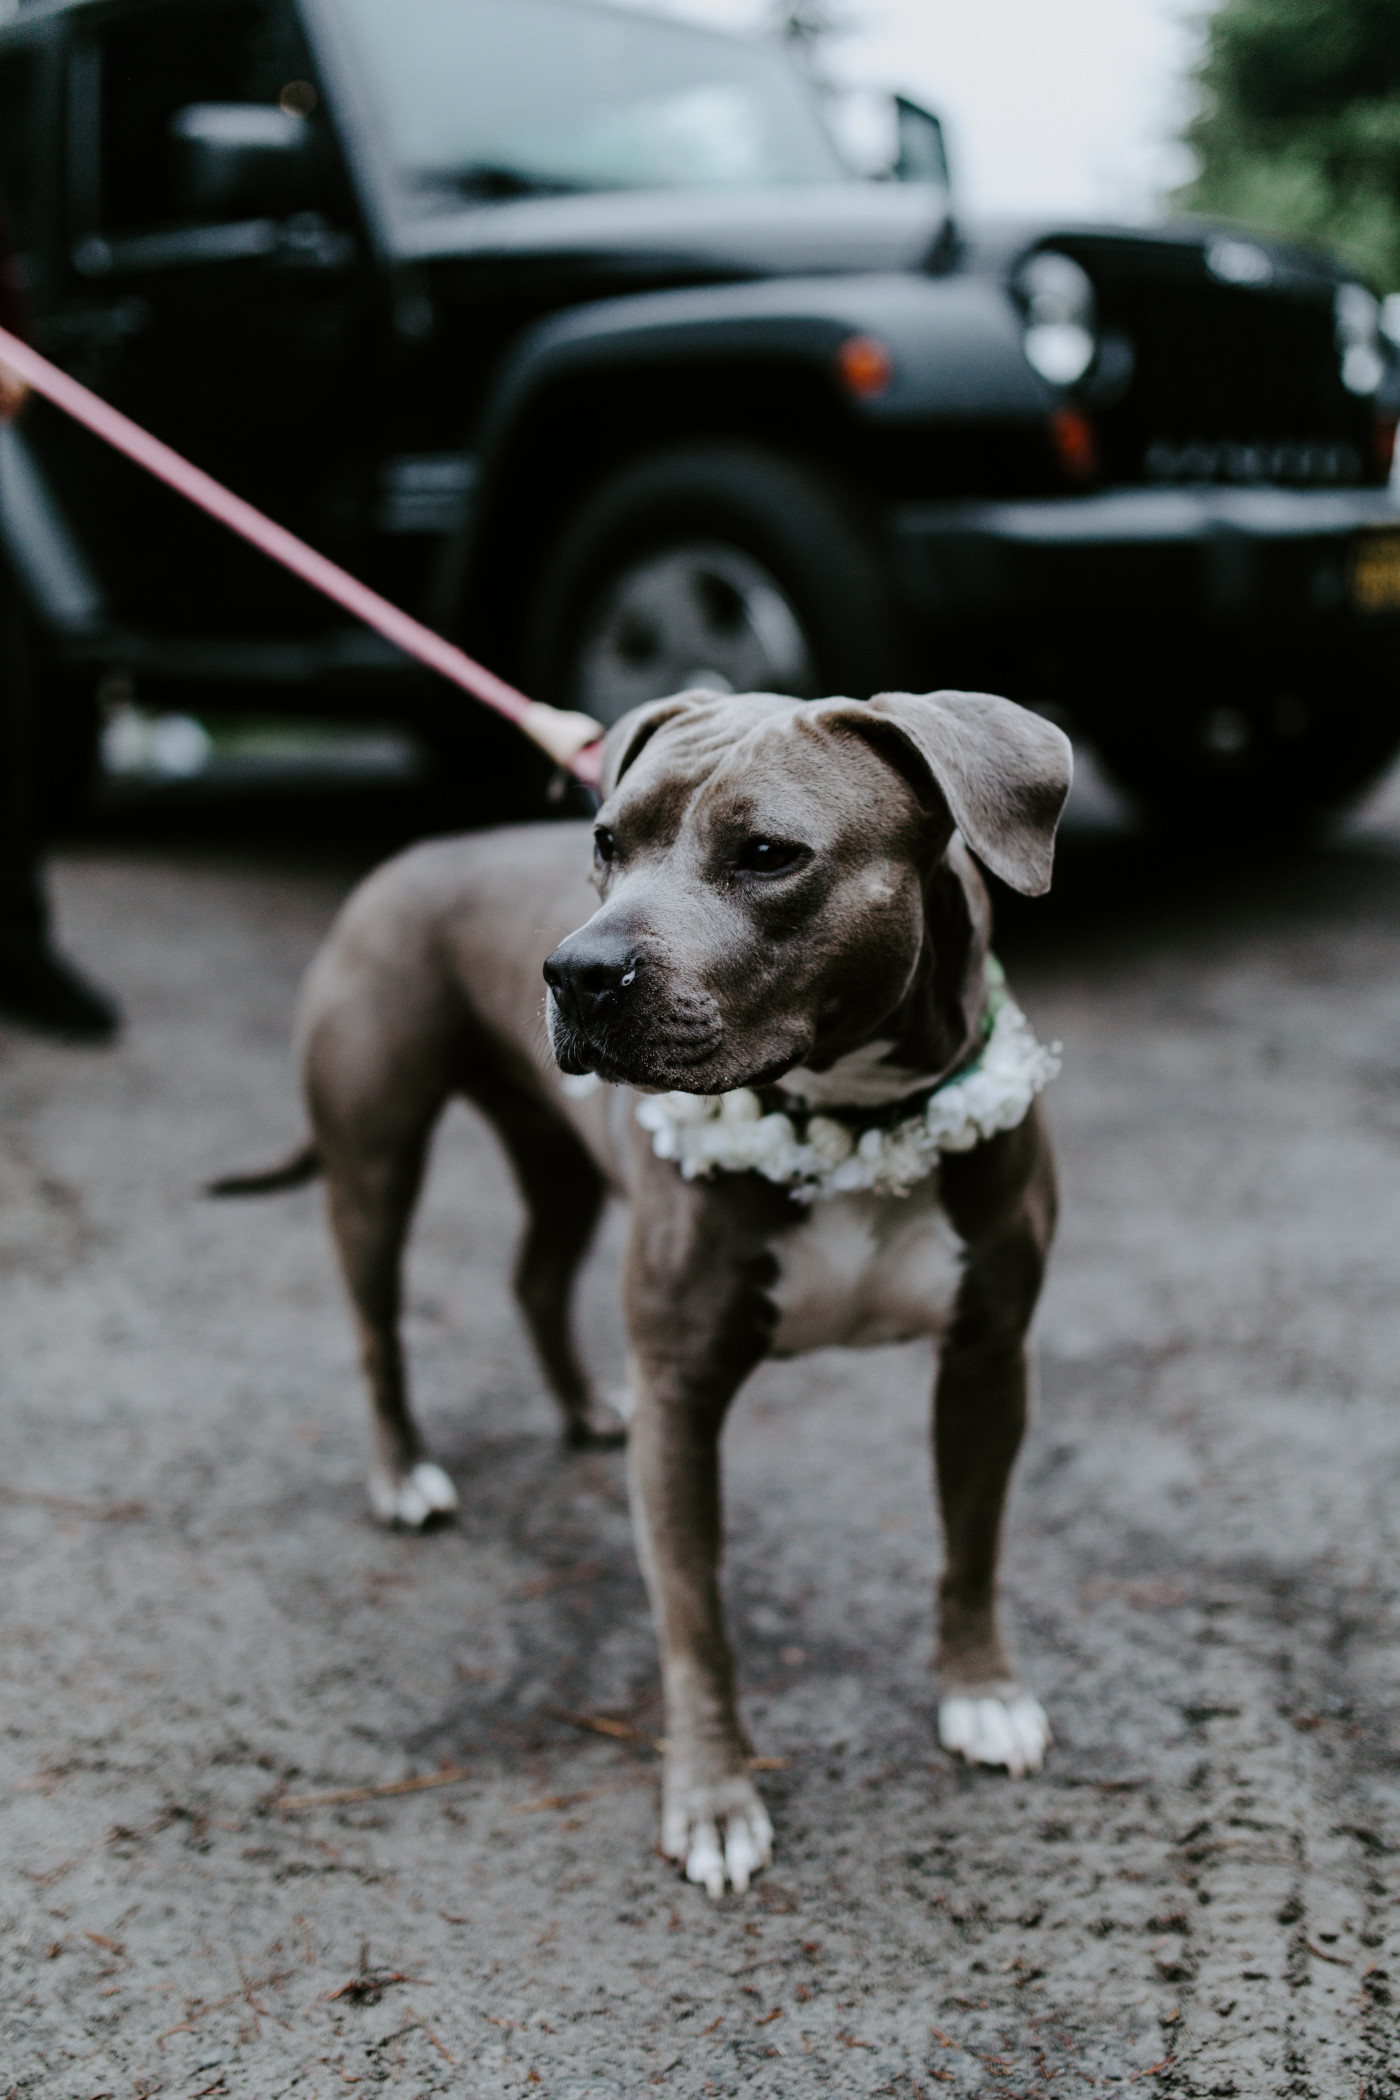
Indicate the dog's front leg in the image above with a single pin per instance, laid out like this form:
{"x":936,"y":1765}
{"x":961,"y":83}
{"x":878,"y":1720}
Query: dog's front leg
{"x":1001,"y":1199}
{"x":979,"y":1420}
{"x":712,"y":1820}
{"x":699,"y":1321}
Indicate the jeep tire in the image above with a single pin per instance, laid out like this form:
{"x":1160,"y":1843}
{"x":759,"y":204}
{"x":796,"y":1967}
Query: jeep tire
{"x":715,"y":564}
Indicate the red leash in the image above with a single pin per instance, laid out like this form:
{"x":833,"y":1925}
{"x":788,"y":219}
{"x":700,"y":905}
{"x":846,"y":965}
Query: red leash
{"x":572,"y":740}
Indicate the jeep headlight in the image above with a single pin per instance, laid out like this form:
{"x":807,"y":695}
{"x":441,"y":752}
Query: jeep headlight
{"x":1357,"y":316}
{"x":1057,"y":299}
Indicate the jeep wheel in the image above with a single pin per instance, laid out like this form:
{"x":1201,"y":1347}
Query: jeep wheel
{"x":720,"y":566}
{"x":1237,"y":760}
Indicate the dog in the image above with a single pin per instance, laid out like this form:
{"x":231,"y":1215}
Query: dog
{"x":771,"y":1020}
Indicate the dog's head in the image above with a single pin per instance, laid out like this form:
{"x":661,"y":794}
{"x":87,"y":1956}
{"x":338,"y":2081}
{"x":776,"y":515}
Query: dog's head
{"x":764,"y":866}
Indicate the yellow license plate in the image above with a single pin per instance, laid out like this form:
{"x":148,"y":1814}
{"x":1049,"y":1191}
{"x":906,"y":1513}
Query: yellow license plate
{"x":1375,"y":573}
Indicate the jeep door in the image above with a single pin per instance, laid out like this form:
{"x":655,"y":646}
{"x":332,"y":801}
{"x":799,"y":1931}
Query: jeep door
{"x":219,"y":295}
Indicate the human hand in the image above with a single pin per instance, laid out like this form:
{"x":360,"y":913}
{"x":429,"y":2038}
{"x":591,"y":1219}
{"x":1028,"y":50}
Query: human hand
{"x":13,"y":391}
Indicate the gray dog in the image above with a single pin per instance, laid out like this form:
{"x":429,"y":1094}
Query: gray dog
{"x":781,"y":1035}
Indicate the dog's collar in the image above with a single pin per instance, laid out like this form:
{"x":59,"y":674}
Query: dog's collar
{"x":817,"y":1153}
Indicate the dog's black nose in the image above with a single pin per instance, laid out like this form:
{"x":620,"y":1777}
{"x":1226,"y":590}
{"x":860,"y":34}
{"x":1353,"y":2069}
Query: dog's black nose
{"x":587,"y":982}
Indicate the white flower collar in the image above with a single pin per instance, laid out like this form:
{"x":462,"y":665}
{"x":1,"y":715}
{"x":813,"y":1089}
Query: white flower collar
{"x":817,"y":1155}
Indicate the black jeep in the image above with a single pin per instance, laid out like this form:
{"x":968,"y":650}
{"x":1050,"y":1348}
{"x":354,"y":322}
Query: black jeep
{"x":569,"y":329}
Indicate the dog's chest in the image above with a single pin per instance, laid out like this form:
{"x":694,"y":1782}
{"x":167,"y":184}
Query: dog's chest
{"x":861,"y":1270}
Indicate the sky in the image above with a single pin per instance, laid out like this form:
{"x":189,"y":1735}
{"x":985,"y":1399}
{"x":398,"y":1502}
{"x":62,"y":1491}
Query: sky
{"x":1067,"y":106}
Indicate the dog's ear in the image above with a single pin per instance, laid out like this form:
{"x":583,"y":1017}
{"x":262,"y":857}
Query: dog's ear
{"x":631,"y":733}
{"x":1002,"y":772}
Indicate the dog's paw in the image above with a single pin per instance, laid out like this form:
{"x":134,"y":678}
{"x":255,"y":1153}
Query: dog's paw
{"x":1005,"y":1727}
{"x":601,"y":1424}
{"x":719,"y":1833}
{"x":414,"y":1498}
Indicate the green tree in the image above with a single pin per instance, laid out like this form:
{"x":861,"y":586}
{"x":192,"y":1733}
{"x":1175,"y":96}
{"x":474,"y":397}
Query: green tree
{"x":1298,"y":125}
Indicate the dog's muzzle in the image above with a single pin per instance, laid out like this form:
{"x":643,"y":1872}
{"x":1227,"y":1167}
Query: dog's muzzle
{"x":616,"y":1009}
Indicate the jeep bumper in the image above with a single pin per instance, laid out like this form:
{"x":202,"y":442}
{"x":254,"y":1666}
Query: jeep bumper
{"x":1208,"y":553}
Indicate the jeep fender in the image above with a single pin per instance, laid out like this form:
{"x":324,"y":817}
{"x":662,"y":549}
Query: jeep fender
{"x":590,"y":386}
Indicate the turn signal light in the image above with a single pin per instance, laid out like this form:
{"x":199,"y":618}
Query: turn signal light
{"x":1072,"y":435}
{"x":1383,"y":443}
{"x":866,"y":366}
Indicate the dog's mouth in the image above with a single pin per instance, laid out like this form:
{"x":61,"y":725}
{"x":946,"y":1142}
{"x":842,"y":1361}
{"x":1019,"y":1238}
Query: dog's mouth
{"x":662,"y":1058}
{"x":628,"y":1063}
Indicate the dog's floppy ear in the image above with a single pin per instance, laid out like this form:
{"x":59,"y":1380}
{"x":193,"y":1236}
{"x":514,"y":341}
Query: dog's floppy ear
{"x":1003,"y":772}
{"x":632,"y":732}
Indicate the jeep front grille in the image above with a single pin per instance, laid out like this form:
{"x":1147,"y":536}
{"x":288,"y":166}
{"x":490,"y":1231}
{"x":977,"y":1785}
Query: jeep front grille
{"x":1232,"y":383}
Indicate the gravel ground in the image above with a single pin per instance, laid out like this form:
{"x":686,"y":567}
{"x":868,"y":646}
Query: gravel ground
{"x":201,"y":1624}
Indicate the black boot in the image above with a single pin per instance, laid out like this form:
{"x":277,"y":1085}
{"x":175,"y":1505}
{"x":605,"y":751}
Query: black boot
{"x":40,"y":990}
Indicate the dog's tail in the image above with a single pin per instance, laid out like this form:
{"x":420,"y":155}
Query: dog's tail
{"x":294,"y":1173}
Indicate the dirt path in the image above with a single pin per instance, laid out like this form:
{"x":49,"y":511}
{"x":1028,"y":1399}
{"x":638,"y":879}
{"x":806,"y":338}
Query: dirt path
{"x":1198,"y":1898}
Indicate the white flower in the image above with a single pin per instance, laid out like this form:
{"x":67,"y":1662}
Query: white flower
{"x":688,"y":1108}
{"x":831,"y":1141}
{"x":742,"y":1106}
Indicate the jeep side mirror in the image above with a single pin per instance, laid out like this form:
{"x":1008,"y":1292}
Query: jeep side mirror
{"x":887,"y":138}
{"x":922,"y":155}
{"x":241,"y":157}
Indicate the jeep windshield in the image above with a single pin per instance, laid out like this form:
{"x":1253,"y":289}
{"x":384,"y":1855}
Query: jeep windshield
{"x":497,"y":98}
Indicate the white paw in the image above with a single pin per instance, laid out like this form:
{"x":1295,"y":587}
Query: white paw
{"x":415,"y":1497}
{"x":720,"y":1834}
{"x":1008,"y":1729}
{"x":623,"y":1402}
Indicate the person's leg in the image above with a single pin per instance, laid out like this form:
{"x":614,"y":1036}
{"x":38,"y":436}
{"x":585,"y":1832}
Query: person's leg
{"x":37,"y":987}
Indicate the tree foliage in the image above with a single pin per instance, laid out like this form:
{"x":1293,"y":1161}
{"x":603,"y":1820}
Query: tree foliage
{"x":1298,"y":128}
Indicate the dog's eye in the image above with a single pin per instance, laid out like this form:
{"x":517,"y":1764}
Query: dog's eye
{"x":604,"y":846}
{"x":770,"y":856}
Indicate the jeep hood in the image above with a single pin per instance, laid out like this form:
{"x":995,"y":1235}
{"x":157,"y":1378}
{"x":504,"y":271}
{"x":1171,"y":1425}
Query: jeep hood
{"x":850,"y":226}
